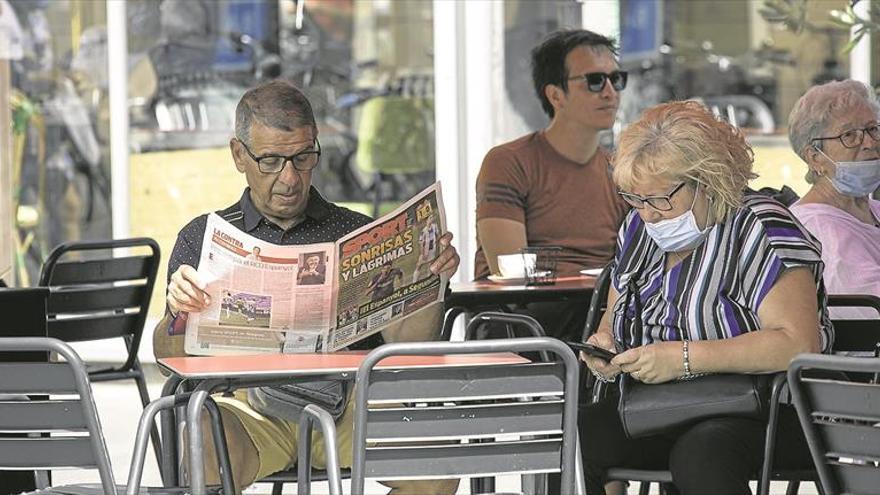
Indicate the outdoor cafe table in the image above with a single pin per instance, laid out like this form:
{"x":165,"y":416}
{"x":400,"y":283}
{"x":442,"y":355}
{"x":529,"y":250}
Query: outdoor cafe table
{"x":227,"y":373}
{"x":481,"y":295}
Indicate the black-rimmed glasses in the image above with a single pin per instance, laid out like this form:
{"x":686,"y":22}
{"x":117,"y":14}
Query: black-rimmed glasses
{"x":660,"y":203}
{"x":855,"y":137}
{"x":596,"y":80}
{"x":272,"y":164}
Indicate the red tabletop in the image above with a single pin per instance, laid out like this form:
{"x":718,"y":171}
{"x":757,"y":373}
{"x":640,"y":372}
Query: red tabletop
{"x":261,"y":365}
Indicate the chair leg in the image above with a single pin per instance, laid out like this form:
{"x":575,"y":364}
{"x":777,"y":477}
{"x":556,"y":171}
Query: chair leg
{"x":645,"y":488}
{"x":277,"y":487}
{"x":141,"y":383}
{"x":792,"y":488}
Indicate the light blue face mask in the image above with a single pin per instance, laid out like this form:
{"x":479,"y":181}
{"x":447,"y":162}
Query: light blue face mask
{"x":855,"y":178}
{"x":679,"y":233}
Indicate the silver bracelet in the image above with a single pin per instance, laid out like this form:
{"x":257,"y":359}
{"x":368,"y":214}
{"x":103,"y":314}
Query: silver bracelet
{"x":602,"y":378}
{"x":686,"y":359}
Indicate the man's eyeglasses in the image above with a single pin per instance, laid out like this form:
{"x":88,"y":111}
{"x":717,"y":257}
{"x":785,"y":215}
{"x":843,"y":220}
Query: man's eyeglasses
{"x":855,"y":137}
{"x":660,"y":203}
{"x":596,"y":80}
{"x":272,"y":164}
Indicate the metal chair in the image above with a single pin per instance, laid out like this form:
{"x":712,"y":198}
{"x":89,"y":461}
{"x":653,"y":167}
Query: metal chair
{"x":171,"y":449}
{"x":63,"y":430}
{"x":24,"y":313}
{"x":94,"y":295}
{"x":856,"y":336}
{"x":429,"y":411}
{"x":840,"y":419}
{"x":516,"y":325}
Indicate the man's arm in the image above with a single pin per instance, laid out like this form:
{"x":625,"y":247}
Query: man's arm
{"x":502,"y":187}
{"x":500,"y":236}
{"x":168,"y":342}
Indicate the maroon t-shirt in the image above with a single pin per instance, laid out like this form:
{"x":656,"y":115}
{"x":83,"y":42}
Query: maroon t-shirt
{"x":560,"y":202}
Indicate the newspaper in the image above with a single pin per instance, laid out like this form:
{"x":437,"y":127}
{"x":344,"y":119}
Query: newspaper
{"x":317,"y":297}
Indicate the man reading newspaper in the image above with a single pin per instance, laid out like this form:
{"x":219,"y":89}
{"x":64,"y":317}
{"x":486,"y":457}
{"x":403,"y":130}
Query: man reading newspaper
{"x":274,"y":128}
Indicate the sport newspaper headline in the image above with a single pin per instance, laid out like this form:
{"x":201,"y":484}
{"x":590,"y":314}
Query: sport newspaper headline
{"x":317,"y":297}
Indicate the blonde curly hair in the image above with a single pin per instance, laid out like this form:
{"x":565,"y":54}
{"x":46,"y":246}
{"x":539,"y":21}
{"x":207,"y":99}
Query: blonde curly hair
{"x":683,"y":140}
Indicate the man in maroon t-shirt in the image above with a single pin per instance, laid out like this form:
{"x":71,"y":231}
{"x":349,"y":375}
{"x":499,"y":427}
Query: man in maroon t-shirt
{"x":553,"y":187}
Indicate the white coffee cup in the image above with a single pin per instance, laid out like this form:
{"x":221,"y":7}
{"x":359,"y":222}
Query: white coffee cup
{"x":516,"y":265}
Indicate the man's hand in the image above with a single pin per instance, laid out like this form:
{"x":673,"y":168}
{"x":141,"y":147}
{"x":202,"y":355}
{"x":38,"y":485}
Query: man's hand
{"x":607,"y":370}
{"x":187,"y":291}
{"x":653,"y":363}
{"x":447,"y":262}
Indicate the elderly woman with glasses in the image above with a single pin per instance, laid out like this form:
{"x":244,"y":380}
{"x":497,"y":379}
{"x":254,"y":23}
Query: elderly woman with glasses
{"x":723,"y":282}
{"x":835,"y":129}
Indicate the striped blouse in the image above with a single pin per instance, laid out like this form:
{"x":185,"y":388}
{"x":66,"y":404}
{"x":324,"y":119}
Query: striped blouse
{"x":716,"y":291}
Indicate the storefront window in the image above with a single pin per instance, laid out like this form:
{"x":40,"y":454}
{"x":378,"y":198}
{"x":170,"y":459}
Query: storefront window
{"x":58,"y":99}
{"x":366,"y":66}
{"x":747,"y":61}
{"x":526,"y":24}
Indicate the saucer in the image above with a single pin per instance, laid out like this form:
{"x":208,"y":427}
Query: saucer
{"x":592,"y":272}
{"x":498,"y":279}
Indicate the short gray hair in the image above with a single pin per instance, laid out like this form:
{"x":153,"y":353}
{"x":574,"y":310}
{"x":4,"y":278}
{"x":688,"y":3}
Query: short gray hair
{"x":818,"y":108}
{"x":277,"y":104}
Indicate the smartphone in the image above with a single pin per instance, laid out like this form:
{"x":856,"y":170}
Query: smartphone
{"x":592,"y":350}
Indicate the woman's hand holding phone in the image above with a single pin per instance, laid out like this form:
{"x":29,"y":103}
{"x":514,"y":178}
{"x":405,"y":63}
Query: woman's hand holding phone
{"x":599,"y":365}
{"x":592,"y":350}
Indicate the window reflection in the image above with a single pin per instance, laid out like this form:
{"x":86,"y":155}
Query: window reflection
{"x":61,"y":186}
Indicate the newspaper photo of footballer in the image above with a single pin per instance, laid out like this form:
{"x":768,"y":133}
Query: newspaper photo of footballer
{"x":243,"y":309}
{"x":429,"y":244}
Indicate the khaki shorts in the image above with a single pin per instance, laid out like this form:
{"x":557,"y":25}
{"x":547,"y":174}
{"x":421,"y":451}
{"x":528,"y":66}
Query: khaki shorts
{"x":276,"y":439}
{"x":276,"y":442}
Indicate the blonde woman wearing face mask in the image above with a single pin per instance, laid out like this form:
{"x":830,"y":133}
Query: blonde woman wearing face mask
{"x":835,"y":129}
{"x":719,"y":281}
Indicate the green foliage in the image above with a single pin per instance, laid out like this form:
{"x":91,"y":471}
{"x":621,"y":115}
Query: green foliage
{"x":792,"y":14}
{"x":22,"y":111}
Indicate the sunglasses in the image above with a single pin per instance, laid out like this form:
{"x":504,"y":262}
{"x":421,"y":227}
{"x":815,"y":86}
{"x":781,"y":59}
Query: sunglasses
{"x":596,"y":80}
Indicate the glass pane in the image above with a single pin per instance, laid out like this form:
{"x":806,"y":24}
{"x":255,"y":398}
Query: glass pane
{"x":366,"y":66}
{"x":61,"y":166}
{"x":526,"y":23}
{"x":749,"y":70}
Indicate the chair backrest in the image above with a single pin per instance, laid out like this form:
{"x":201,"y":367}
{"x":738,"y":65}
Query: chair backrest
{"x":840,"y":419}
{"x":856,"y":336}
{"x":94,"y":295}
{"x":69,"y":415}
{"x":598,"y":302}
{"x":24,"y":315}
{"x":416,"y":418}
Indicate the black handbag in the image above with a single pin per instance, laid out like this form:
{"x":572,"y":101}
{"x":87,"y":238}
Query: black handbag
{"x":648,"y":409}
{"x":287,"y":401}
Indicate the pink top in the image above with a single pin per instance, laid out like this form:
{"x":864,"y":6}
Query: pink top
{"x":850,"y":251}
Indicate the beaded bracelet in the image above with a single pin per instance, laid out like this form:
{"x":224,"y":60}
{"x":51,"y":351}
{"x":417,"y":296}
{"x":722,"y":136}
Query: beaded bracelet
{"x":686,"y":359}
